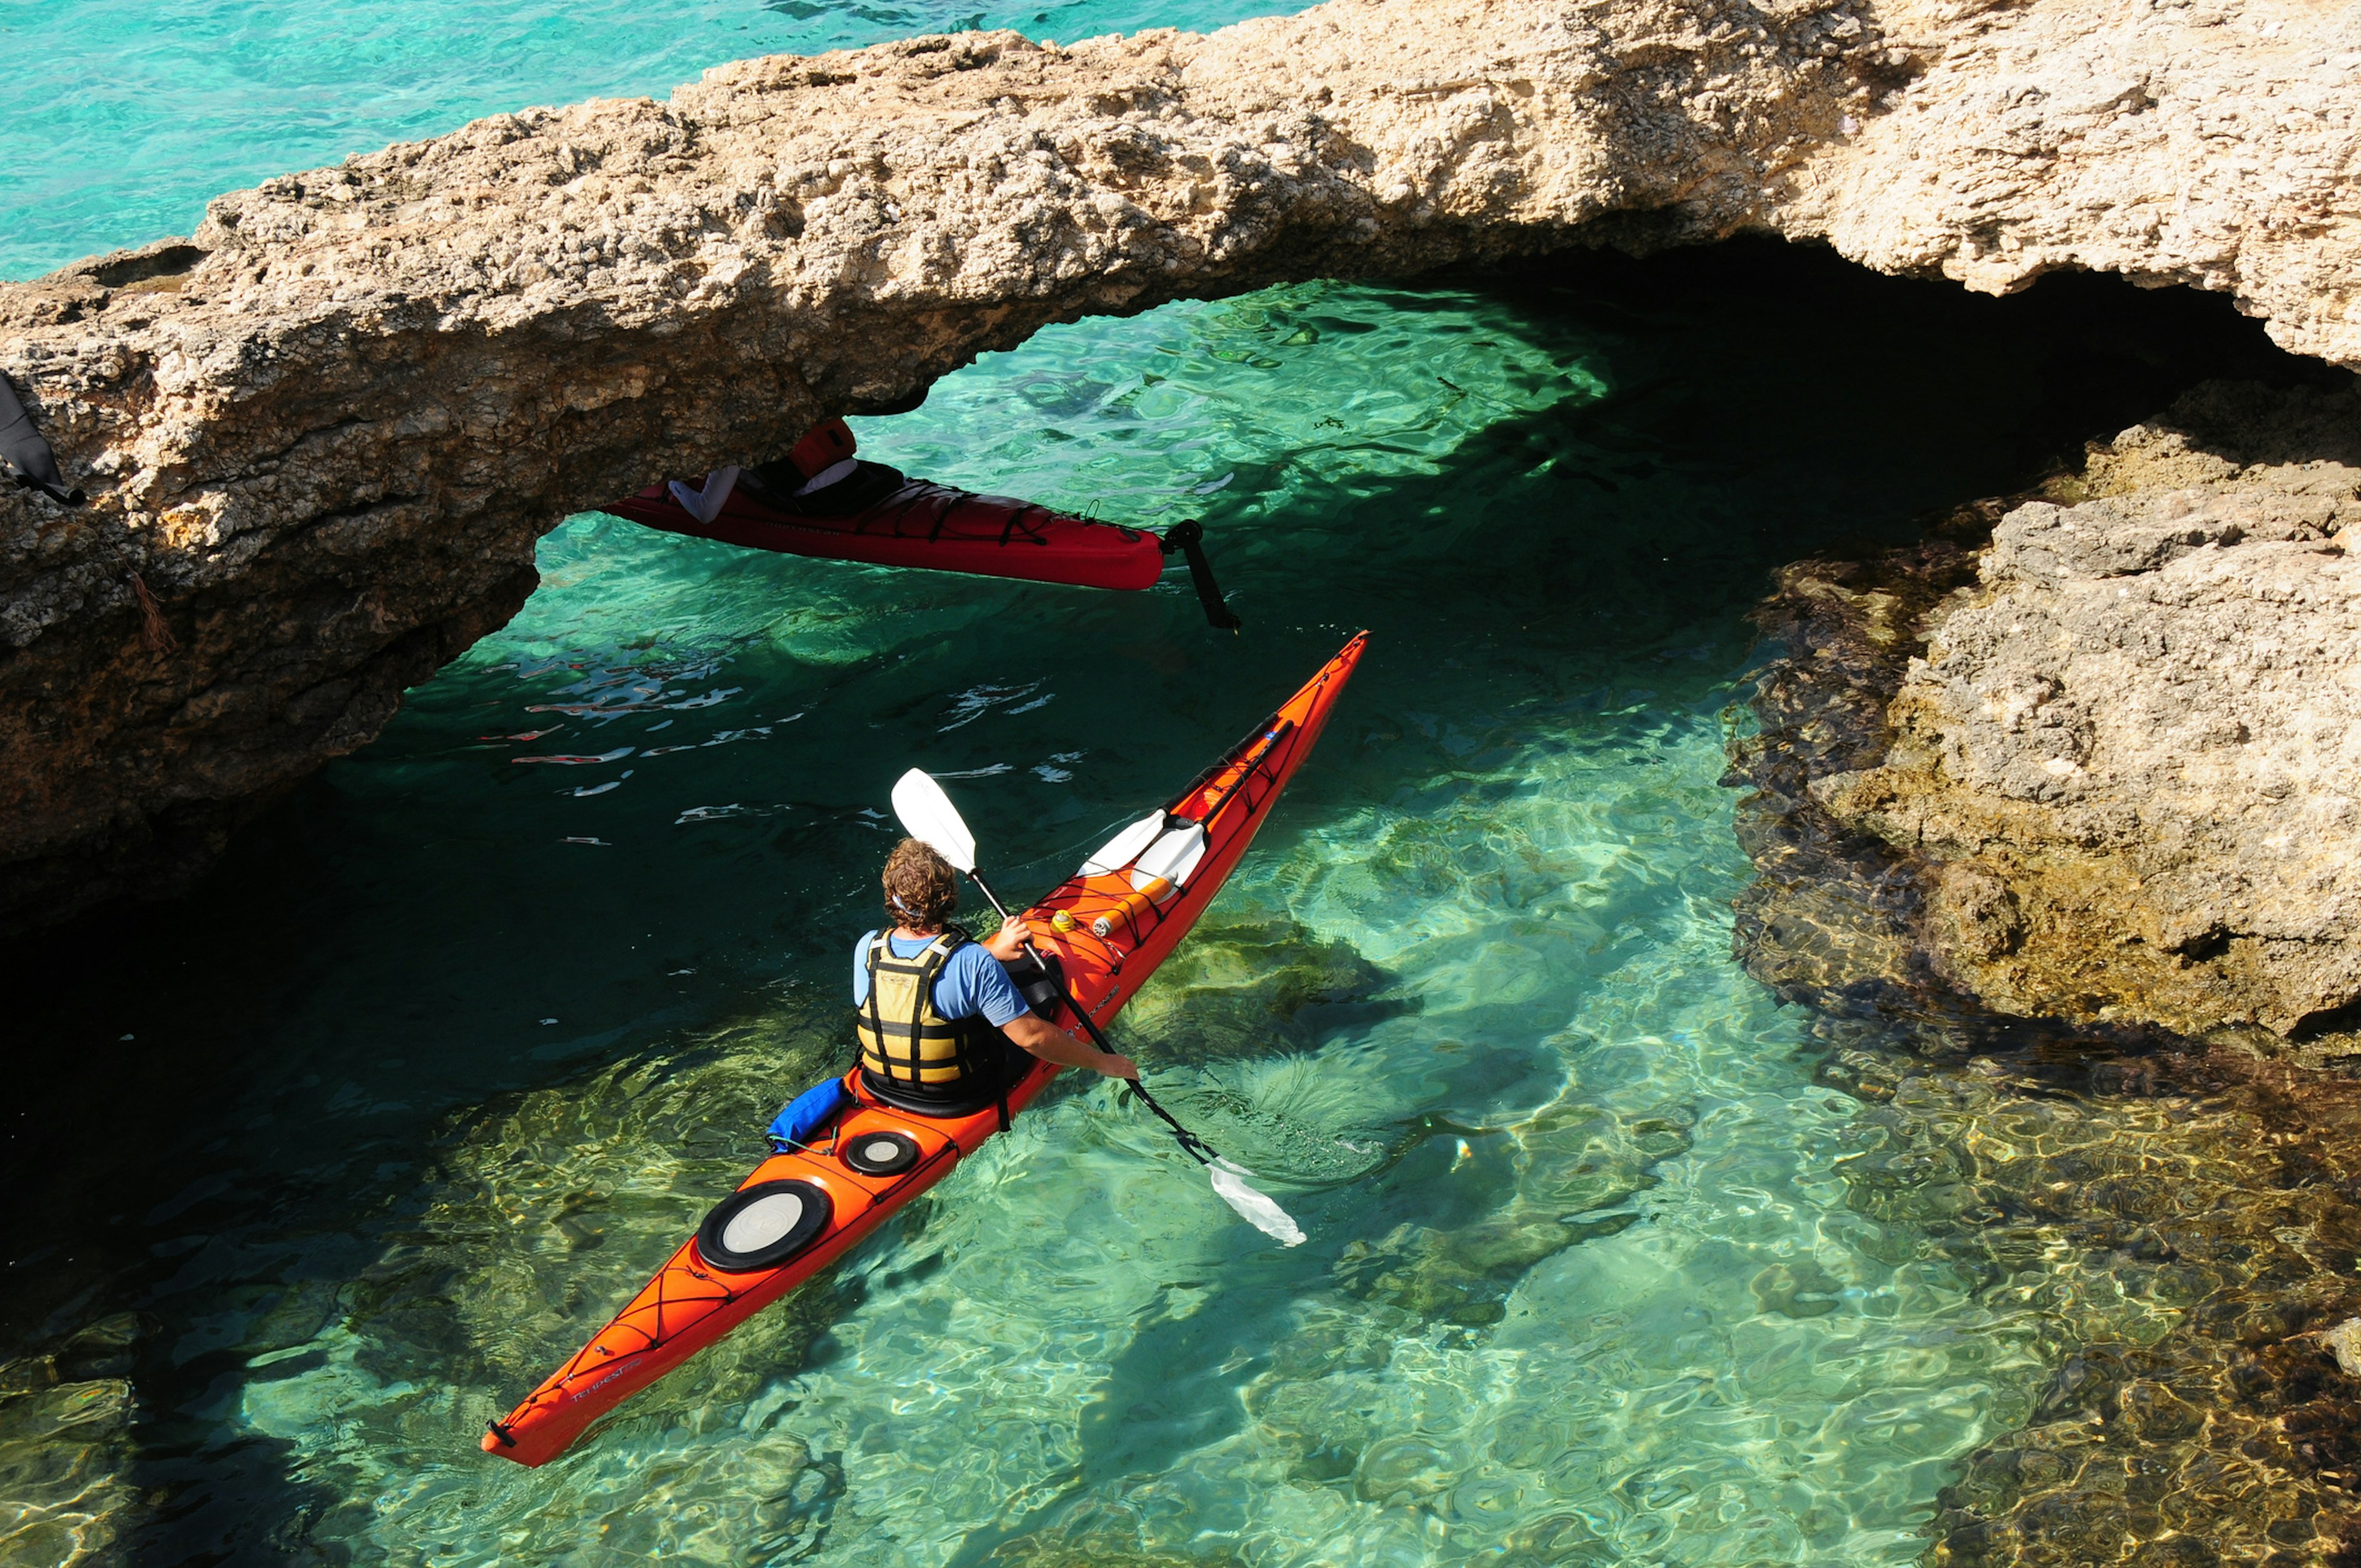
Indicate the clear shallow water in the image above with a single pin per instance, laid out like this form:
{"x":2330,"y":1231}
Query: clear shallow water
{"x":339,"y":1156}
{"x":125,"y":116}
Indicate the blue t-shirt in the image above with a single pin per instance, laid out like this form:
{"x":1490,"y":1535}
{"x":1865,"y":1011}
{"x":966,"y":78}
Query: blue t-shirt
{"x":972,"y":980}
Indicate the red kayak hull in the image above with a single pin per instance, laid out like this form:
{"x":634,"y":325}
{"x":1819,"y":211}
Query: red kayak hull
{"x":690,"y":1303}
{"x":929,"y":526}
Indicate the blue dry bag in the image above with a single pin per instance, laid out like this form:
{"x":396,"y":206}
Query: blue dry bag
{"x":807,"y":1113}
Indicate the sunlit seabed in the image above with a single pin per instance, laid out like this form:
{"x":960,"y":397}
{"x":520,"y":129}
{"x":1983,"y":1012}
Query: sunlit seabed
{"x":425,"y":1082}
{"x":504,"y":1000}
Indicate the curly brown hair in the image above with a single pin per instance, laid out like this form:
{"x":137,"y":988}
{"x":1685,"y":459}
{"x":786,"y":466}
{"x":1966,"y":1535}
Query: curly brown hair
{"x":921,"y":889}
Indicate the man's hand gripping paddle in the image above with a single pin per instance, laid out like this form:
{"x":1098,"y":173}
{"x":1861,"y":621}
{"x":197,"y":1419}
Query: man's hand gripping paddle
{"x":928,"y":816}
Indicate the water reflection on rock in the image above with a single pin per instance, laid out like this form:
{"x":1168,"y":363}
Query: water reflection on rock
{"x":65,"y":1422}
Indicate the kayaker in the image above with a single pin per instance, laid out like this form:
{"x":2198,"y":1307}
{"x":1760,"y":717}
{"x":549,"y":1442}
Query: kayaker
{"x":936,"y":1010}
{"x":820,"y":476}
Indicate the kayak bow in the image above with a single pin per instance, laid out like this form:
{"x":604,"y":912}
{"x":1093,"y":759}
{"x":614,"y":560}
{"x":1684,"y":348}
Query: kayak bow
{"x":1107,"y":927}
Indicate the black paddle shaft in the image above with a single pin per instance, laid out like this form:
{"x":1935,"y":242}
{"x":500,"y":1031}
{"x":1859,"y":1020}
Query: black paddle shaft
{"x":1189,"y":538}
{"x":1197,"y":1148}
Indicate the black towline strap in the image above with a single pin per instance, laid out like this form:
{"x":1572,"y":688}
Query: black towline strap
{"x":1257,"y":736}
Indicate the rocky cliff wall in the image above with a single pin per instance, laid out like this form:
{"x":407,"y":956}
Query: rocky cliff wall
{"x":322,"y":435}
{"x":2104,"y":769}
{"x":2055,"y":815}
{"x":2133,"y":750}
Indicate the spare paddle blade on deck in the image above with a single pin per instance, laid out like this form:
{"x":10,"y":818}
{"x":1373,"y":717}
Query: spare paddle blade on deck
{"x":1253,"y":1207}
{"x":1171,"y":859}
{"x":928,"y":816}
{"x":1124,"y":846}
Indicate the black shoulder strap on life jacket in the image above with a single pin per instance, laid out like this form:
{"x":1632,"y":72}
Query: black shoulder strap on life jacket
{"x":869,"y":1002}
{"x":922,"y":997}
{"x":969,"y":1032}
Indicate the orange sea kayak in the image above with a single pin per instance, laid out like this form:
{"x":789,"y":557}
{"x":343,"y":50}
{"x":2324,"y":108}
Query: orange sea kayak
{"x":814,"y":1204}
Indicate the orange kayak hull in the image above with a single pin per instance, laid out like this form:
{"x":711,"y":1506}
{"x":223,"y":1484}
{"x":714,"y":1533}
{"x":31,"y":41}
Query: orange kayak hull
{"x":690,"y":1303}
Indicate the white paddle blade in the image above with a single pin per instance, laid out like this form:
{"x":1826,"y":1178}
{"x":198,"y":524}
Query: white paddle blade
{"x":1171,"y":859}
{"x":1123,"y":847}
{"x":928,"y":816}
{"x":1230,"y":1181}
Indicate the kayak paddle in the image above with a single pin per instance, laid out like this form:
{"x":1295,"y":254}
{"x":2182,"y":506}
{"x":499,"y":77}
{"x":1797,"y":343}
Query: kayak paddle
{"x":928,"y":816}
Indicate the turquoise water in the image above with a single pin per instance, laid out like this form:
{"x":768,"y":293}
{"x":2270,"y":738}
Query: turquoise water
{"x":347,"y":1148}
{"x":124,"y":117}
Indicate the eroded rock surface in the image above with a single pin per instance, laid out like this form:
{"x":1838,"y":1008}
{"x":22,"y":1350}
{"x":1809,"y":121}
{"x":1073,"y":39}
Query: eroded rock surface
{"x":322,"y":434}
{"x":2131,"y":753}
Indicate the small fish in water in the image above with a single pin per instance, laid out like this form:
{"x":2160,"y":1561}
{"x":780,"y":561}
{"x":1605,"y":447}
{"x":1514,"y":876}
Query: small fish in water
{"x":1462,"y":1154}
{"x":528,"y":735}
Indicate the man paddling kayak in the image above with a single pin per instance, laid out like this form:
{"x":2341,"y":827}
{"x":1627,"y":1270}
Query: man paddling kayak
{"x":937,"y":1009}
{"x":841,"y":1175}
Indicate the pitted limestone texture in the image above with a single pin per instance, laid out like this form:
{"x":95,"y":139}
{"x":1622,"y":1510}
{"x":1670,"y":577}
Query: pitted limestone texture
{"x":2130,"y":751}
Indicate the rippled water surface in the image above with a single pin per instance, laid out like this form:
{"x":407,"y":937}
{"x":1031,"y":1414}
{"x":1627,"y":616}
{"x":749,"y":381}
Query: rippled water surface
{"x":335,"y":1157}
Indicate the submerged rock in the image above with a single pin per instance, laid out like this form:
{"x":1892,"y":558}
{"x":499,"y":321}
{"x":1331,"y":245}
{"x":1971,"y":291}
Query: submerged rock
{"x":623,"y":1166}
{"x":1244,"y":987}
{"x":1574,"y":1169}
{"x":321,"y":435}
{"x":66,"y":1494}
{"x":2343,"y":1342}
{"x":539,"y":1217}
{"x":2177,"y":1249}
{"x":1097,"y":1540}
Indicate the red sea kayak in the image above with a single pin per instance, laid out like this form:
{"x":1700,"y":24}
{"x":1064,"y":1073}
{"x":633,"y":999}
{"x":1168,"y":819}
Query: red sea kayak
{"x":1108,"y":926}
{"x":928,"y":525}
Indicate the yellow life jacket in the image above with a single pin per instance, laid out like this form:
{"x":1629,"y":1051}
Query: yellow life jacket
{"x":903,"y":1039}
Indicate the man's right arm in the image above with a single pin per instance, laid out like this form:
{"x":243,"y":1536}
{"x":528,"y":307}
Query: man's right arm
{"x":1048,"y":1042}
{"x":992,"y":993}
